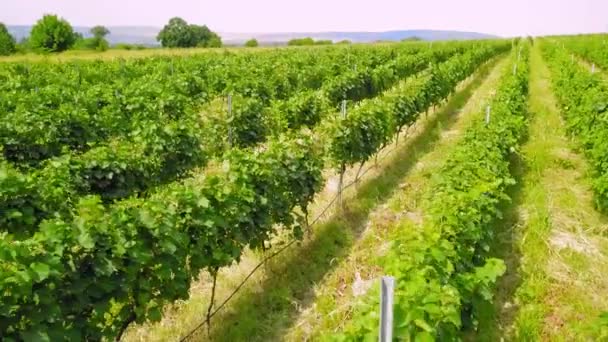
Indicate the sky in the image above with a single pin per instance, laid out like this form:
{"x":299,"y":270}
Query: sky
{"x":501,"y":17}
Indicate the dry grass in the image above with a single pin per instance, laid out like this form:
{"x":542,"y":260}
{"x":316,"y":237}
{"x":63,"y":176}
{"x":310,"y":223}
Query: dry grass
{"x":560,"y":281}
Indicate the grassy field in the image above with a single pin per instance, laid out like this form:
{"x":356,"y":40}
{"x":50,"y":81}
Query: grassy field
{"x":148,"y":52}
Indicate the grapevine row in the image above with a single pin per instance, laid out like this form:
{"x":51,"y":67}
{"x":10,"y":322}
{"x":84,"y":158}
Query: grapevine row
{"x":109,"y":265}
{"x":583,"y":98}
{"x":442,"y":267}
{"x":592,"y":48}
{"x":77,"y":107}
{"x":117,"y":170}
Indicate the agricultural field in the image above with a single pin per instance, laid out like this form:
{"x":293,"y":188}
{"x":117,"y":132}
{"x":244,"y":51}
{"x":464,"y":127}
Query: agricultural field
{"x":260,"y":195}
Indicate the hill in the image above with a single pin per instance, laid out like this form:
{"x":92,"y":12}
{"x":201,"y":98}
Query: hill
{"x":146,"y":35}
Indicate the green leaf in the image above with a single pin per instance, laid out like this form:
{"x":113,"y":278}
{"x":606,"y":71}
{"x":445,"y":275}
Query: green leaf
{"x":42,"y":271}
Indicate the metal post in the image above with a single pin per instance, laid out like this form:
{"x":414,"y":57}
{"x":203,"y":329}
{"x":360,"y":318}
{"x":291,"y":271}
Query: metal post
{"x":230,"y":120}
{"x":343,"y":166}
{"x":488,"y":109}
{"x":387,"y":290}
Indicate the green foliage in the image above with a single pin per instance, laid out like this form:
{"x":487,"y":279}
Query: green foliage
{"x":214,"y":41}
{"x":52,"y":34}
{"x":593,"y":48}
{"x":125,"y":46}
{"x":371,"y":124}
{"x":23,"y":46}
{"x":7,"y":42}
{"x":203,"y":37}
{"x":102,"y":223}
{"x":107,"y":259}
{"x":301,"y":41}
{"x":252,"y":43}
{"x":98,"y":42}
{"x":99,"y":31}
{"x":178,"y":33}
{"x":323,"y":42}
{"x":91,"y":44}
{"x":307,"y":108}
{"x":344,"y":41}
{"x":585,"y":113}
{"x":442,"y":268}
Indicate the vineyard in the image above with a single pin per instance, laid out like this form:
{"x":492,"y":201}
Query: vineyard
{"x":126,"y":186}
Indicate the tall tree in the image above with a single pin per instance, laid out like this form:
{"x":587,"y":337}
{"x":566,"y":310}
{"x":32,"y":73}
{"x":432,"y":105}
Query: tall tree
{"x":52,"y":34}
{"x":99,"y":32}
{"x":7,"y":42}
{"x":178,"y":33}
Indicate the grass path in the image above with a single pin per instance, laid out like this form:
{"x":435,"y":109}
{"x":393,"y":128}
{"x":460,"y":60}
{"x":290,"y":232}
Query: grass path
{"x":274,"y":297}
{"x":336,"y":294}
{"x":553,"y":240}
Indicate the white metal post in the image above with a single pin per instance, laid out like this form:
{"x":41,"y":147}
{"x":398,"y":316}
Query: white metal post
{"x":488,"y":109}
{"x":387,"y":290}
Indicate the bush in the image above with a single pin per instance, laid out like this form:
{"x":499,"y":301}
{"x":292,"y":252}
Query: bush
{"x":252,"y":43}
{"x":214,"y":42}
{"x":301,"y":41}
{"x":324,"y":42}
{"x":125,"y":46}
{"x":52,"y":34}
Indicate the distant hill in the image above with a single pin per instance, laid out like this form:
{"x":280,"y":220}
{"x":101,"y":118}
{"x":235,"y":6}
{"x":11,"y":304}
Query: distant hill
{"x":146,"y":35}
{"x":359,"y":37}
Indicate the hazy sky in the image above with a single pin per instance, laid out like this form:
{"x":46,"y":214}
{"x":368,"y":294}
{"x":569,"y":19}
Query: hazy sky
{"x":501,"y":17}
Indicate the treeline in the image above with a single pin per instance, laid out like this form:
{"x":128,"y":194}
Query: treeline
{"x":54,"y":34}
{"x":309,"y":41}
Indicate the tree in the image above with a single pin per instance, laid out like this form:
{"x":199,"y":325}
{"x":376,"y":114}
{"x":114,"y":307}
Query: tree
{"x":98,"y":41}
{"x":214,"y":42}
{"x":252,"y":43}
{"x":203,"y":37}
{"x":52,"y":34}
{"x":178,"y":33}
{"x":7,"y":42}
{"x":99,"y":32}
